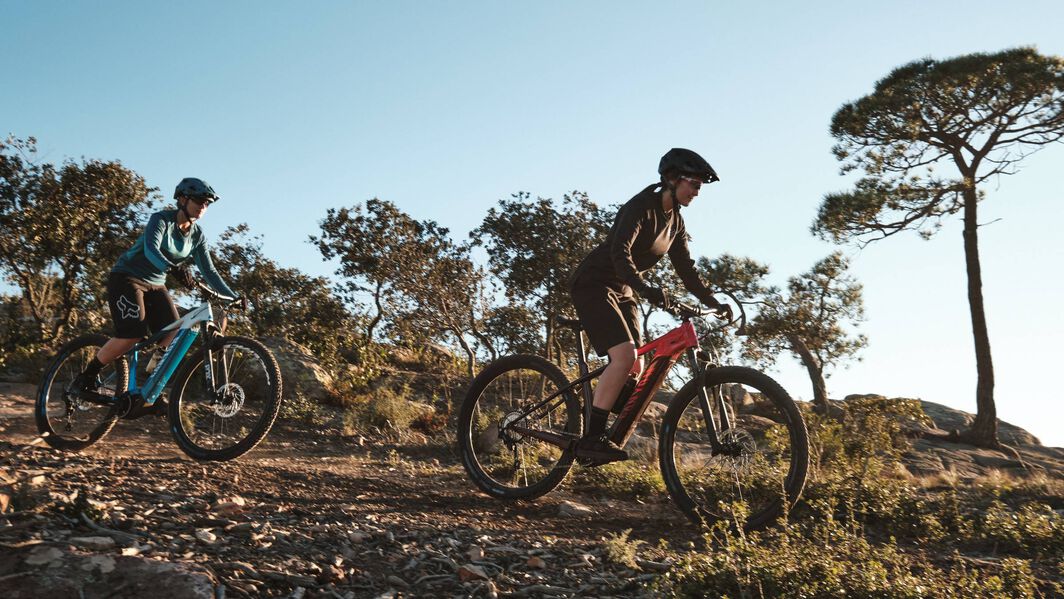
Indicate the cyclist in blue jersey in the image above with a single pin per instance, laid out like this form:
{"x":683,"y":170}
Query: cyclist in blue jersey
{"x":136,"y":286}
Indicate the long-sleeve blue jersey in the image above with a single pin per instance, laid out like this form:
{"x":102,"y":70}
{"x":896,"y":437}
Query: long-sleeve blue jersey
{"x":163,"y":246}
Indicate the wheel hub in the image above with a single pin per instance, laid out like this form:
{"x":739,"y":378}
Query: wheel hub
{"x":737,"y":447}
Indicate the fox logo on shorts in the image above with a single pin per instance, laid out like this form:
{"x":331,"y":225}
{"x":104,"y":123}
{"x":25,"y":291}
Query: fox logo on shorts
{"x":127,"y":308}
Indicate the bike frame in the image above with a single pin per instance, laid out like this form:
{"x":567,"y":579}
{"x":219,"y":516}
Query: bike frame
{"x":201,"y":318}
{"x":665,"y":352}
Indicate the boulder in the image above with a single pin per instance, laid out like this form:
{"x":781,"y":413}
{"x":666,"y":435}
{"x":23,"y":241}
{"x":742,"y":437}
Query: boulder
{"x":302,"y":374}
{"x":43,"y":571}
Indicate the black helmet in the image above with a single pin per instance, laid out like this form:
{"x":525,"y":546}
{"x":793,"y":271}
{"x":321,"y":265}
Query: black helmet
{"x":194,"y":189}
{"x":685,"y":162}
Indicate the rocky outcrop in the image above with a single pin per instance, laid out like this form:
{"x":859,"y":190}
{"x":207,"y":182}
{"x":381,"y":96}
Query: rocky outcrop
{"x":302,"y":375}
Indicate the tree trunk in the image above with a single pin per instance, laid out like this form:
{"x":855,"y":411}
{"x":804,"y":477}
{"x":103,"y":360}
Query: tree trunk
{"x":377,"y":317}
{"x":816,"y":372}
{"x":492,"y":352}
{"x":471,"y":358}
{"x":984,"y":430}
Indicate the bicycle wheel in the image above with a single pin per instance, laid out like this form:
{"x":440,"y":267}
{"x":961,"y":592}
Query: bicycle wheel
{"x":763,"y":458}
{"x":66,"y":419}
{"x":229,"y":420}
{"x":503,"y":462}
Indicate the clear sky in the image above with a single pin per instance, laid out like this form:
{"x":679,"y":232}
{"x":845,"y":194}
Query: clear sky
{"x":290,"y":108}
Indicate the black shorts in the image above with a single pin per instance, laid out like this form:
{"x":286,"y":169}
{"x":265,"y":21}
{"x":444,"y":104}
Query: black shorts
{"x":610,"y":317}
{"x":137,"y":307}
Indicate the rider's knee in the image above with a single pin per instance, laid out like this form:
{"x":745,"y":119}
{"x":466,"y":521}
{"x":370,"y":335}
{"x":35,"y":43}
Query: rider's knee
{"x":624,"y":356}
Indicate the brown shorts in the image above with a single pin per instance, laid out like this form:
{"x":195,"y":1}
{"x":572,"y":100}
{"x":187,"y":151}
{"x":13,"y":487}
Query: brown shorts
{"x":610,"y":317}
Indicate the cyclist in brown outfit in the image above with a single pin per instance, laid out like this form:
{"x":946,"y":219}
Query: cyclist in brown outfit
{"x":605,"y":283}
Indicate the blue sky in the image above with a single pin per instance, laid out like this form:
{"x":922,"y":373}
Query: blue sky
{"x":288,"y":109}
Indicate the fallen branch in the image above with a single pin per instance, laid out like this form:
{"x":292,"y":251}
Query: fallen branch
{"x":116,"y":534}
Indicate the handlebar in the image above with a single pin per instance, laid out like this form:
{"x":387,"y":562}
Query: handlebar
{"x":209,"y":294}
{"x":687,"y":311}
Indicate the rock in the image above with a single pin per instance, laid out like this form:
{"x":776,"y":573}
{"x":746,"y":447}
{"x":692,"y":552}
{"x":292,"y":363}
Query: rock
{"x":42,"y":555}
{"x":357,"y":536}
{"x":476,"y":552}
{"x":640,"y":447}
{"x":67,"y":572}
{"x":229,"y":506}
{"x":206,"y":536}
{"x":103,"y":563}
{"x":399,"y":582}
{"x":574,"y":510}
{"x":536,"y":562}
{"x":488,"y":442}
{"x":303,"y":376}
{"x":93,"y":542}
{"x":469,"y":572}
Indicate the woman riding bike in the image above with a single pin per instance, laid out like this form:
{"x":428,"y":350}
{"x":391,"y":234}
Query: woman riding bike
{"x":136,"y":287}
{"x":605,"y":283}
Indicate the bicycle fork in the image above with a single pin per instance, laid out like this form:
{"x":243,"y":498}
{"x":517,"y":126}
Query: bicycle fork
{"x":704,"y":403}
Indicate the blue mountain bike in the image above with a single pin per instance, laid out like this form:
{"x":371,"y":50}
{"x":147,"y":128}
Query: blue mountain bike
{"x":223,"y":399}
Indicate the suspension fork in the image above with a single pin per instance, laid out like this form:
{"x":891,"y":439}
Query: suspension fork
{"x":703,"y":402}
{"x":209,"y":337}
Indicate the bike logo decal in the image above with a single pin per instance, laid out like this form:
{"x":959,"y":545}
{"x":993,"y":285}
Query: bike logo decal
{"x":127,"y":308}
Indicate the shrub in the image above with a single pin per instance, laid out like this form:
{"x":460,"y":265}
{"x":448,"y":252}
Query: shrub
{"x":621,"y":550}
{"x":628,"y":480}
{"x":1034,"y":530}
{"x":829,"y":559}
{"x":384,"y":410}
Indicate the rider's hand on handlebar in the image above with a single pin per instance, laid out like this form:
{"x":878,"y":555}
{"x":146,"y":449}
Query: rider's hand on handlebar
{"x":656,"y":296}
{"x":721,"y":310}
{"x":724,"y":312}
{"x":183,"y":275}
{"x":241,"y":303}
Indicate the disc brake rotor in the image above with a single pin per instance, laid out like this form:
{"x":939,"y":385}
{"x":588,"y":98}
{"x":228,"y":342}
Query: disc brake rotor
{"x":230,"y":400}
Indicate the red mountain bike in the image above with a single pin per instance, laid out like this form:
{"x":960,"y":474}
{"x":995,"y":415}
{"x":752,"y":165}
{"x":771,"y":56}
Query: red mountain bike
{"x":731,"y":434}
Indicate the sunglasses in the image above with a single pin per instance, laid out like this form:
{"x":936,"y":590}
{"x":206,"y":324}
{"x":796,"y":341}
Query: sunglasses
{"x":696,"y":183}
{"x":203,"y":201}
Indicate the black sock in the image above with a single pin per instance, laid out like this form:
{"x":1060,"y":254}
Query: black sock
{"x":94,"y":367}
{"x":597,"y":426}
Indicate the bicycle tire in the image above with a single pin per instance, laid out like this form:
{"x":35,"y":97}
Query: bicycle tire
{"x":206,"y":427}
{"x":762,"y":467}
{"x":95,"y":420}
{"x":510,"y":465}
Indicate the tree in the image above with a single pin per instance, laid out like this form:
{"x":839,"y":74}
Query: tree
{"x":62,"y":228}
{"x":811,"y":322}
{"x":741,"y":277}
{"x":285,"y":302}
{"x":379,"y":248}
{"x":447,"y":295}
{"x":423,"y":284}
{"x":978,"y":115}
{"x":533,"y":247}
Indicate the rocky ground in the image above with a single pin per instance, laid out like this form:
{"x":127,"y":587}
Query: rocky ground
{"x":305,"y":515}
{"x":316,"y":514}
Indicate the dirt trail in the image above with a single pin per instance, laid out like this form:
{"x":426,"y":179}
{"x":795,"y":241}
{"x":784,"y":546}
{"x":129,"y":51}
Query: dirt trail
{"x":322,"y":516}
